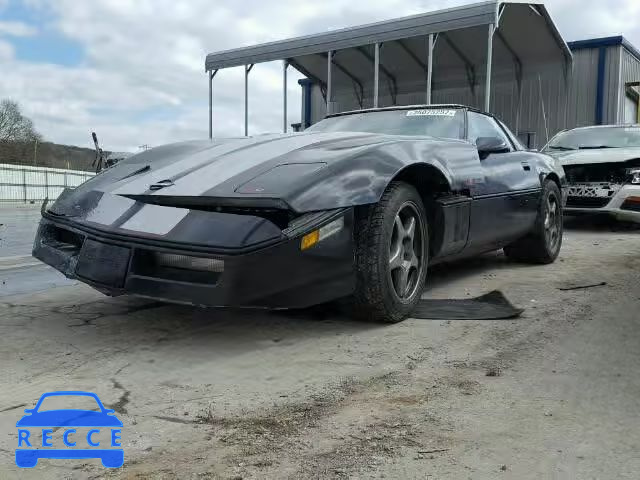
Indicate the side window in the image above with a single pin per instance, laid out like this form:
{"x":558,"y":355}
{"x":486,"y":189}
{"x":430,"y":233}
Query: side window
{"x":483,"y":126}
{"x":516,"y":142}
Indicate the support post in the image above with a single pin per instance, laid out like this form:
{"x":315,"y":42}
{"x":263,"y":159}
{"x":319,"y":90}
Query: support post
{"x":329,"y":63}
{"x":376,"y":75}
{"x":285,"y":65}
{"x":247,"y":69}
{"x":430,"y":69}
{"x":212,"y":74}
{"x":24,"y":184}
{"x":487,"y":85}
{"x":518,"y":108}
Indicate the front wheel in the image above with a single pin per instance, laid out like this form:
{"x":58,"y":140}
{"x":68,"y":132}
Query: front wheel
{"x":391,"y":257}
{"x":542,"y":244}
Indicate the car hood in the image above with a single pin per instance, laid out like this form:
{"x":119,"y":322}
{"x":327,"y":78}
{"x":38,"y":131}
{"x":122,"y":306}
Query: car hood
{"x":228,"y":168}
{"x":218,"y":168}
{"x":232,"y":194}
{"x":72,"y":418}
{"x":602,"y":155}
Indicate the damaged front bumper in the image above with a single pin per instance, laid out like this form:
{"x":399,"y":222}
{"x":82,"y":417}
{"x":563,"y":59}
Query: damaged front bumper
{"x":275,"y":274}
{"x":621,"y":201}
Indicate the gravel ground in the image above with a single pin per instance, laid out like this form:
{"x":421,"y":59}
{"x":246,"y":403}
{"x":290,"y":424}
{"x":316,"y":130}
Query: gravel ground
{"x":239,"y":394}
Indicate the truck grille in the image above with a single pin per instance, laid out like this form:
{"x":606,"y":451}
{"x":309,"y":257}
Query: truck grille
{"x":596,"y":172}
{"x":587,"y":202}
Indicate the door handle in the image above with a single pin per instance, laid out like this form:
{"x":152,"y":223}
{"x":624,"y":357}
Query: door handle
{"x":526,"y":167}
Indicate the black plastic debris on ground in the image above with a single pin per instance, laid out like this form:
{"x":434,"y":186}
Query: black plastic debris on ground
{"x":581,"y":286}
{"x":492,"y":306}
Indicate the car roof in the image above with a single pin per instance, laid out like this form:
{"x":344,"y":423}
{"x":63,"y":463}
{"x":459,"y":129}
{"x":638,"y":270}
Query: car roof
{"x":409,"y":107}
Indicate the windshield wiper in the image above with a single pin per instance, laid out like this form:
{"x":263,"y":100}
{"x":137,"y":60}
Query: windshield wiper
{"x":596,"y":147}
{"x":561,"y":148}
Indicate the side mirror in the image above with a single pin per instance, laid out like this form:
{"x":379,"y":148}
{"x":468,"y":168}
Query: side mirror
{"x":489,"y":145}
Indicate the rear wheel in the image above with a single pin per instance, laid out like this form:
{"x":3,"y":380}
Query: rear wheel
{"x":542,"y":244}
{"x":391,"y":255}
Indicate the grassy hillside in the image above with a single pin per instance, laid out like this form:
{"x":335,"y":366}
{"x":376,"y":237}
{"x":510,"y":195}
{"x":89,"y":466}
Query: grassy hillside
{"x":47,"y":154}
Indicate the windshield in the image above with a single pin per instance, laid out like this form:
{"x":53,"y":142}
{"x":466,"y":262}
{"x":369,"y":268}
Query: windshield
{"x":600,"y":137}
{"x":444,"y":123}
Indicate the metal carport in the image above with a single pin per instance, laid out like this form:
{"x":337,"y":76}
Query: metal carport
{"x":460,"y":51}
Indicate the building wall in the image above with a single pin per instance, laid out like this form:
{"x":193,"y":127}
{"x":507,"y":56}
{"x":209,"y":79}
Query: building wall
{"x":546,"y":104}
{"x":542,"y":97}
{"x":581,"y":109}
{"x":629,"y":73}
{"x":612,"y":88}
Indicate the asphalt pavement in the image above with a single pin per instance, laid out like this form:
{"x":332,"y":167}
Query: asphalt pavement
{"x":20,"y":273}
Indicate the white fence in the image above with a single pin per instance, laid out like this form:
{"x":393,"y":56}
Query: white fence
{"x":20,"y":183}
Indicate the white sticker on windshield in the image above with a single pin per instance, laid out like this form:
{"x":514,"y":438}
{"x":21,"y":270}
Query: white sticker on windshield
{"x":431,"y":112}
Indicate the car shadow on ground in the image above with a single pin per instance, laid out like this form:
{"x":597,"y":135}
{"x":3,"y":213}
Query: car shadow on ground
{"x":129,"y":322}
{"x":147,"y":322}
{"x":91,"y":321}
{"x":598,"y":223}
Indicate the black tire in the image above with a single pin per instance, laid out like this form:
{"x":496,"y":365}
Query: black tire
{"x":542,"y":245}
{"x":378,"y":279}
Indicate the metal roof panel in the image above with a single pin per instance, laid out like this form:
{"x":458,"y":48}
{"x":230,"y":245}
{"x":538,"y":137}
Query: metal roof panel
{"x":465,"y":16}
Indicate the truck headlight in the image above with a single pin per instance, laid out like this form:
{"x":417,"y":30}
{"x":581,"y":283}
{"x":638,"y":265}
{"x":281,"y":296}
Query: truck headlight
{"x":634,"y":175}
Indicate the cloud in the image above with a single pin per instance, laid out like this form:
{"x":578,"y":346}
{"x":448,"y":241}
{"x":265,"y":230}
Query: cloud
{"x":141,"y":79}
{"x":17,"y":29}
{"x":6,"y":51}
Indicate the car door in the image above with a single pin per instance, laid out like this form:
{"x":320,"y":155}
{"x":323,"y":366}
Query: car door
{"x":504,"y":205}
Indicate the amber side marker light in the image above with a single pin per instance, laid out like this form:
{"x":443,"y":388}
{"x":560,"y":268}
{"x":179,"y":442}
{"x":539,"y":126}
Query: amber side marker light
{"x":312,"y":238}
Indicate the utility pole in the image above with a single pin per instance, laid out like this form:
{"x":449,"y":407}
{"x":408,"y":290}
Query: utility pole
{"x":35,"y":152}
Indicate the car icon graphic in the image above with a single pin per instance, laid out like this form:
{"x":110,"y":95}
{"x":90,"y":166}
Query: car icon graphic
{"x":68,"y":420}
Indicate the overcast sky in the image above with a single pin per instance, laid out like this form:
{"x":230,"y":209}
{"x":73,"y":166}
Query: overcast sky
{"x":133,"y":70}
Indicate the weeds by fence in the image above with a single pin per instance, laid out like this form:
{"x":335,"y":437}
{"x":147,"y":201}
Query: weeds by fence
{"x":46,"y":154}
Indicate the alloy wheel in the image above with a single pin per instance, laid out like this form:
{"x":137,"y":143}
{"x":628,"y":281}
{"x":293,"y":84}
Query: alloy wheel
{"x":552,"y":222}
{"x":406,"y":251}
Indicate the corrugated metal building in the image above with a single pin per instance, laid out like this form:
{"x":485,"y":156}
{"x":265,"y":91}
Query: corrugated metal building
{"x":505,"y":56}
{"x":606,"y":82}
{"x":604,"y":88}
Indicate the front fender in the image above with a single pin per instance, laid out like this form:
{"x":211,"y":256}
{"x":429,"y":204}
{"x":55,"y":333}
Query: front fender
{"x":362,"y":179}
{"x":546,"y":166}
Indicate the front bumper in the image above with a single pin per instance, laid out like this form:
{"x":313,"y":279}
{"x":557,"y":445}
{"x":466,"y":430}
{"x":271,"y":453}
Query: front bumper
{"x":279,"y":275}
{"x":624,"y":204}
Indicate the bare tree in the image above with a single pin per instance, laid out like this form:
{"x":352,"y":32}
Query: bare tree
{"x":15,"y":127}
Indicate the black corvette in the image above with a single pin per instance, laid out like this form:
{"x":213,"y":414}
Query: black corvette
{"x":355,"y":207}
